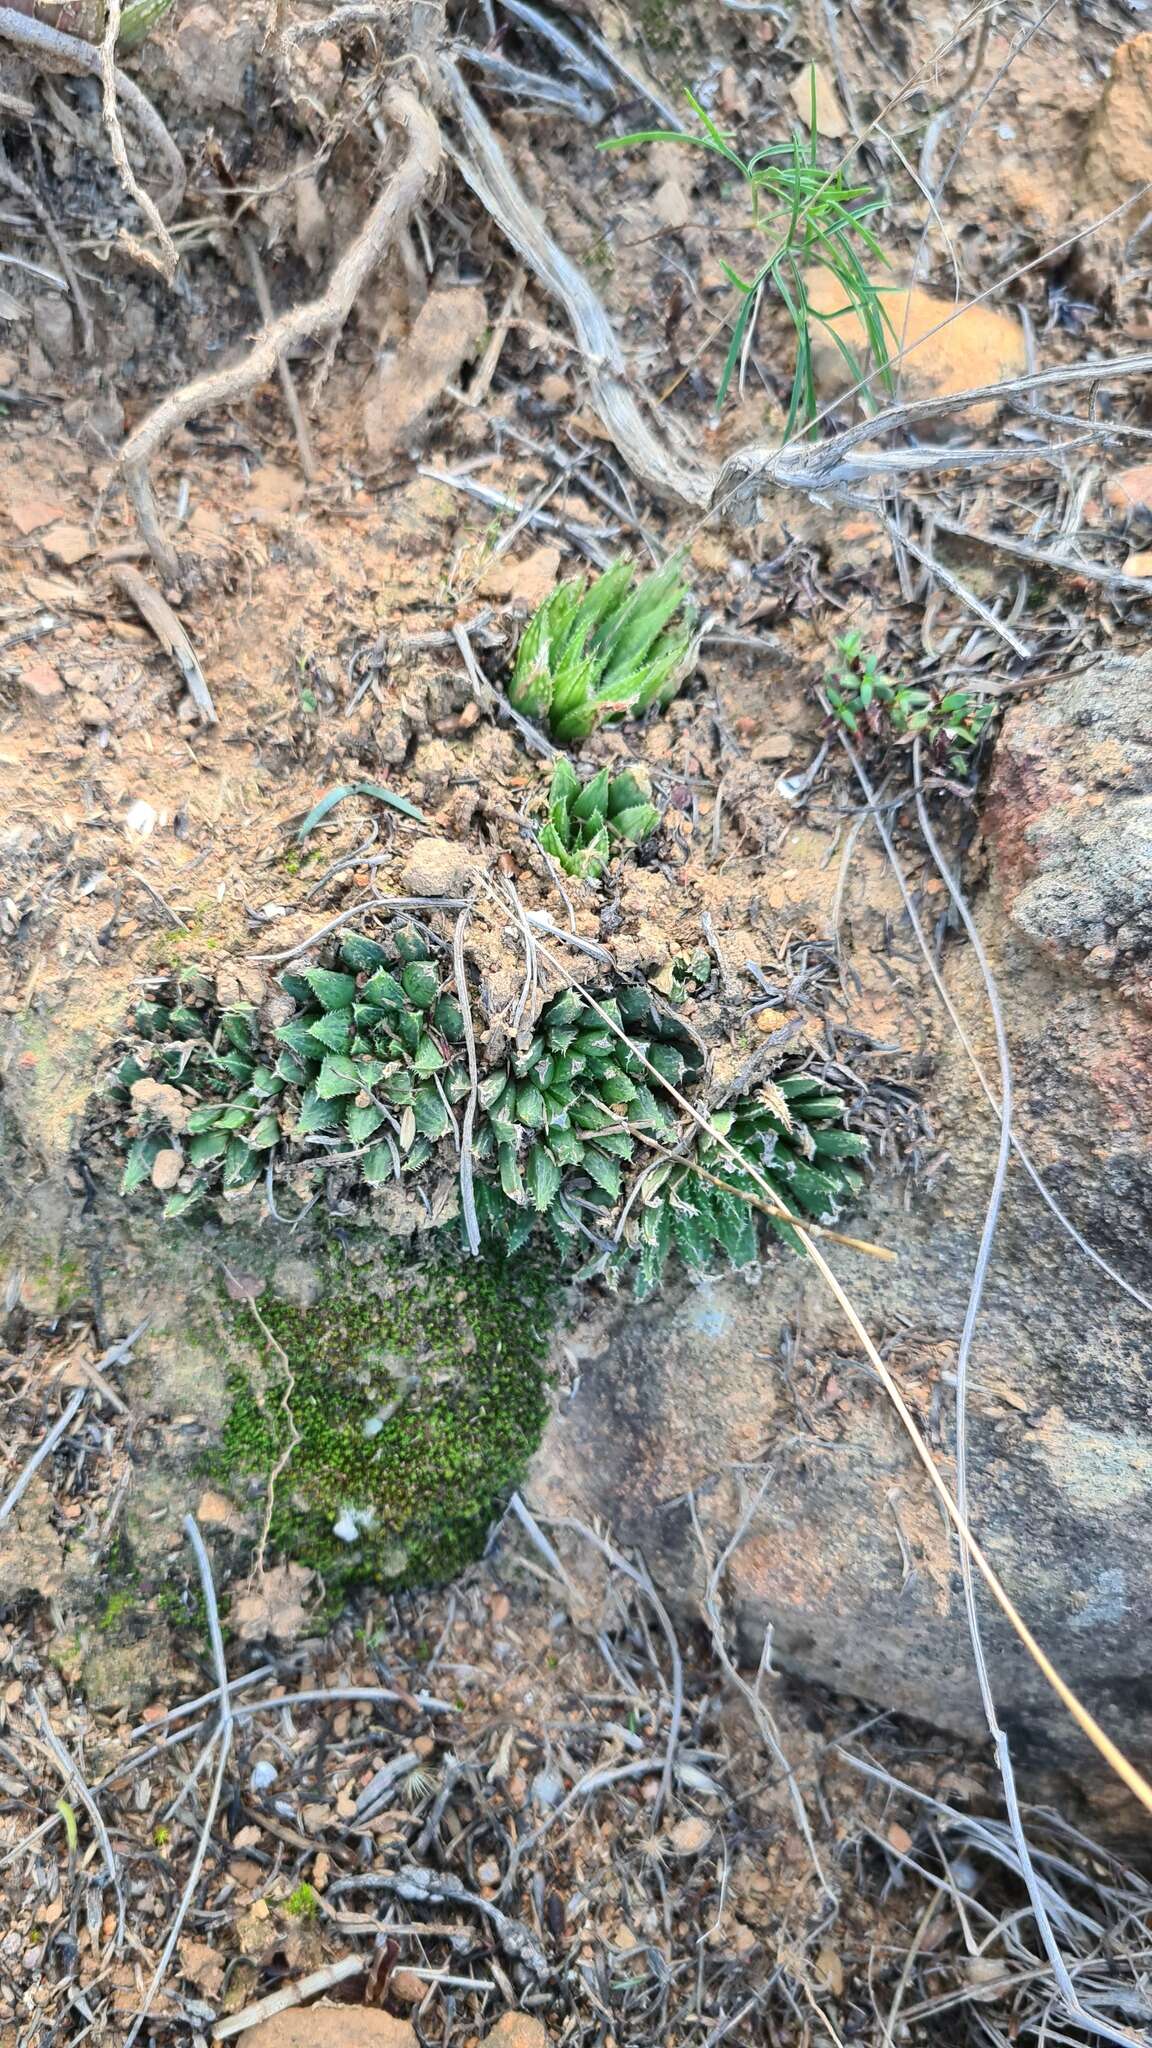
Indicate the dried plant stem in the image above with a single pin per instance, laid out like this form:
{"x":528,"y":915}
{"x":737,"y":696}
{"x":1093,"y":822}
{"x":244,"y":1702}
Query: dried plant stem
{"x":467,"y":1194}
{"x":59,"y":1428}
{"x":309,"y":322}
{"x":285,"y":1456}
{"x":287,"y":385}
{"x":483,"y":166}
{"x":167,"y":262}
{"x":74,"y":1779}
{"x":222,"y":1742}
{"x":59,"y":52}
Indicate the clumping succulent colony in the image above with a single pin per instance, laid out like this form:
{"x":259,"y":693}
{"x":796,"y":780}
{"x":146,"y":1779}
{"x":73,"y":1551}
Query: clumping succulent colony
{"x":368,"y":1078}
{"x":357,"y":1076}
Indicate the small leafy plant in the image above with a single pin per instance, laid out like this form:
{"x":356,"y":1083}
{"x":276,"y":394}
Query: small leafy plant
{"x":599,"y":652}
{"x":587,"y":819}
{"x":869,"y":702}
{"x":809,"y":217}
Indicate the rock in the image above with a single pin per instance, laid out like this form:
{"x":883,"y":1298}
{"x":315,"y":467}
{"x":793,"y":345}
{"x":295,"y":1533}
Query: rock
{"x":517,"y":2030}
{"x":944,"y":351}
{"x":126,"y":1674}
{"x":672,"y":203}
{"x":54,"y":327}
{"x":407,"y":1987}
{"x":67,"y":544}
{"x":210,"y":56}
{"x":440,"y":867}
{"x":166,"y":1169}
{"x":1130,"y":490}
{"x":140,"y":819}
{"x":41,"y":680}
{"x":28,"y":515}
{"x":527,"y":581}
{"x":215,"y":1511}
{"x":333,"y":2026}
{"x":1118,"y":154}
{"x":845,"y":1556}
{"x":161,"y":1102}
{"x":92,"y":710}
{"x":1070,"y":807}
{"x":446,"y":332}
{"x":277,"y":1608}
{"x":690,"y":1835}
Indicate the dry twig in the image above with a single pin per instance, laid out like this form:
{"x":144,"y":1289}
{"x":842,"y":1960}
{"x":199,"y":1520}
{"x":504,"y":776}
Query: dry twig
{"x":167,"y":262}
{"x":310,"y":322}
{"x":156,"y":612}
{"x":59,"y":52}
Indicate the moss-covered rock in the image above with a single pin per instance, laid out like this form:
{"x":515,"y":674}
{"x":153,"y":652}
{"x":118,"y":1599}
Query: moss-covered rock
{"x":416,"y":1387}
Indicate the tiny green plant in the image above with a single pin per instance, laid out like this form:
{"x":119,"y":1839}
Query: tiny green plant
{"x":595,"y":653}
{"x":587,"y":821}
{"x":810,"y":217}
{"x":303,"y":1903}
{"x":876,"y":706}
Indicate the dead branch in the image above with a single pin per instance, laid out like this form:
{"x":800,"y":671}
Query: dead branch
{"x":309,"y":322}
{"x":834,"y":464}
{"x":74,"y":1780}
{"x":168,"y":260}
{"x":156,"y":612}
{"x":287,"y":384}
{"x":483,"y":166}
{"x":59,"y":1428}
{"x":221,"y":1741}
{"x":58,"y":52}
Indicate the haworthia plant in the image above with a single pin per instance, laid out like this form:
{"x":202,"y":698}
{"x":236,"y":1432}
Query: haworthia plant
{"x":367,"y":1076}
{"x":606,"y":650}
{"x":586,"y":819}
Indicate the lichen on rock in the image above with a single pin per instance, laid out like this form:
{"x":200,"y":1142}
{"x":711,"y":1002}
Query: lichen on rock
{"x":416,"y":1390}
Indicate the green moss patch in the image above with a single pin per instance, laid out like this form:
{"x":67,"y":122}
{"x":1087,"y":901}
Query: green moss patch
{"x":418,"y":1394}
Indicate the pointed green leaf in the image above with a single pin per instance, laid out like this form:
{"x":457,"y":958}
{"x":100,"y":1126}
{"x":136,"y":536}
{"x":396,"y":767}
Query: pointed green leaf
{"x":207,"y":1145}
{"x":362,"y":955}
{"x":421,"y":984}
{"x":338,"y":1075}
{"x":383,"y":990}
{"x":332,"y":991}
{"x":362,"y":1120}
{"x":542,"y":1177}
{"x":316,"y":1114}
{"x":377,"y":1165}
{"x":334,"y":1032}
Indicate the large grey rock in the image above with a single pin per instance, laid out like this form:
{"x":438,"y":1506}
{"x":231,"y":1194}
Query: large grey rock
{"x":735,"y":1393}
